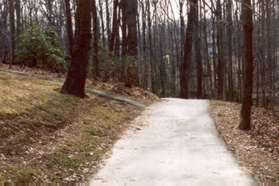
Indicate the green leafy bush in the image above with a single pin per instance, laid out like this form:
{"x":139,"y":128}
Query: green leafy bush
{"x":39,"y":47}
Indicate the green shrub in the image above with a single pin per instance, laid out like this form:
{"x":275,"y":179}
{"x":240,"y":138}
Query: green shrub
{"x":39,"y":47}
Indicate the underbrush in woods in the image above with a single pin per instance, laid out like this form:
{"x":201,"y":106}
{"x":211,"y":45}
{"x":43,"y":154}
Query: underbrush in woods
{"x":258,"y":149}
{"x":39,"y":47}
{"x":47,"y":136}
{"x":112,"y":68}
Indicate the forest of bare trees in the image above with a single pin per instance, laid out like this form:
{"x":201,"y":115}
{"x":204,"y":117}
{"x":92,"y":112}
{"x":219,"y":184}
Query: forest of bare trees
{"x":221,"y":49}
{"x":172,"y":82}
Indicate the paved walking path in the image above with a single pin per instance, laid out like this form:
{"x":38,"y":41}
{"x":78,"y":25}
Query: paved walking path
{"x":177,"y":145}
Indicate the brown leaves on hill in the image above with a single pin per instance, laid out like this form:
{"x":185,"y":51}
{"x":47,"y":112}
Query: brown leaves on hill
{"x":134,"y":93}
{"x":266,"y":129}
{"x":257,"y":150}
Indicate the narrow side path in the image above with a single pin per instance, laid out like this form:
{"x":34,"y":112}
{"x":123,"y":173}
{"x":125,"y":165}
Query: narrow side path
{"x":177,"y":145}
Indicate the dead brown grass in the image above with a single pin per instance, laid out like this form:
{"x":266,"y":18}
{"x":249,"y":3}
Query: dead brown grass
{"x":50,"y":137}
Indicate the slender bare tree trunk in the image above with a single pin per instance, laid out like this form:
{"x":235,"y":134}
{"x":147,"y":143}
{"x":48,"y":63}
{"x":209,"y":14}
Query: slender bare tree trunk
{"x":18,"y":17}
{"x":69,"y":24}
{"x":220,"y":51}
{"x":247,"y":102}
{"x":230,"y":48}
{"x":101,"y":12}
{"x":188,"y":44}
{"x":108,"y":20}
{"x":115,"y":26}
{"x":198,"y":55}
{"x":12,"y":31}
{"x":96,"y":36}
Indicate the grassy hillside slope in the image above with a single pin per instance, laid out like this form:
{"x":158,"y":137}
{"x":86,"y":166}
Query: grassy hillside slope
{"x":47,"y":136}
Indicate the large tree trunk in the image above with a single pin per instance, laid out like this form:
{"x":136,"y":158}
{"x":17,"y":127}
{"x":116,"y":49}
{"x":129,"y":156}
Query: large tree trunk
{"x":76,"y":77}
{"x":230,"y":49}
{"x":184,"y":69}
{"x":130,"y":31}
{"x":245,"y":123}
{"x":131,"y":17}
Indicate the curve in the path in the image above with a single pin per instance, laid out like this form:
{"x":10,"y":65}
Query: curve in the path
{"x":116,"y":97}
{"x":177,"y":145}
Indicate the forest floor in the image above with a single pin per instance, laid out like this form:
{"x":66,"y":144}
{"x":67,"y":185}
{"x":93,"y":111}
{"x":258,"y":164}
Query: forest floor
{"x":49,"y":137}
{"x":258,"y":149}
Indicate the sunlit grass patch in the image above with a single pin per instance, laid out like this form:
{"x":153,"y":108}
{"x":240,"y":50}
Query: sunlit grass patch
{"x":48,"y":136}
